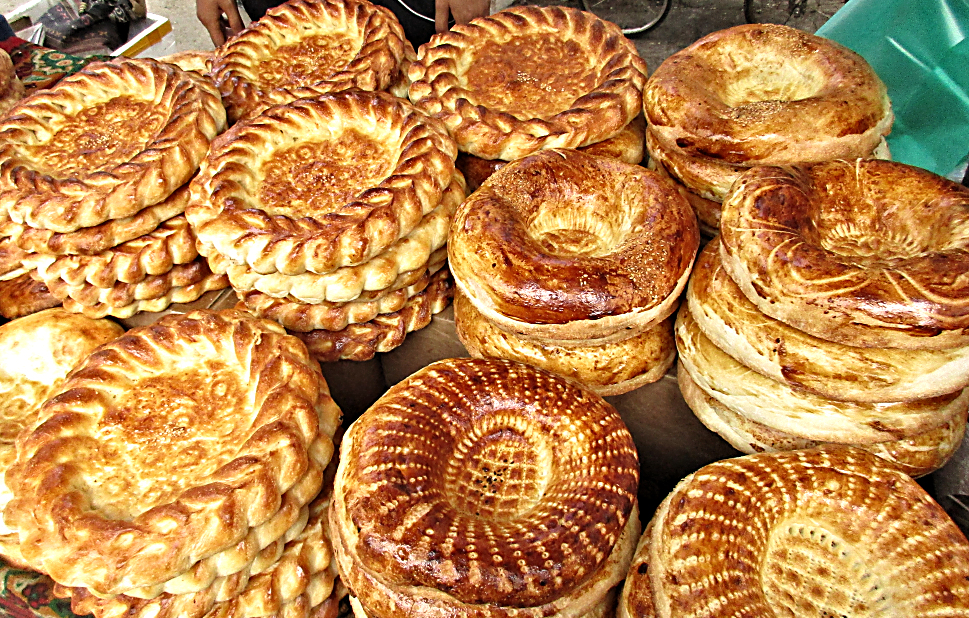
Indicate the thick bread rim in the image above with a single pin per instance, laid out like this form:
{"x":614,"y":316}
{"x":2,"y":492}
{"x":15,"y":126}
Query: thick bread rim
{"x":424,"y":432}
{"x":349,"y":282}
{"x":707,"y":211}
{"x":500,"y":261}
{"x":24,"y":295}
{"x":361,"y":342}
{"x":100,"y":238}
{"x":194,"y":116}
{"x":438,"y":88}
{"x":174,"y":295}
{"x":607,"y":370}
{"x":794,"y":411}
{"x":225,"y":217}
{"x":636,"y":598}
{"x":818,"y":270}
{"x":692,"y":103}
{"x":917,"y":456}
{"x":154,"y":253}
{"x":827,"y":369}
{"x":306,"y":317}
{"x":374,"y":31}
{"x":862,"y":502}
{"x":294,"y":420}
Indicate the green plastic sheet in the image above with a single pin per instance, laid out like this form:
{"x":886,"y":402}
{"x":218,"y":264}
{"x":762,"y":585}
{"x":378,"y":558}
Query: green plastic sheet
{"x":920,"y":49}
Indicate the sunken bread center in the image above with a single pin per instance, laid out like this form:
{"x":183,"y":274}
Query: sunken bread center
{"x":531,"y":76}
{"x":809,"y":571}
{"x":310,"y":60}
{"x":173,"y":429}
{"x":313,"y":178}
{"x":764,"y":78}
{"x":99,"y":137}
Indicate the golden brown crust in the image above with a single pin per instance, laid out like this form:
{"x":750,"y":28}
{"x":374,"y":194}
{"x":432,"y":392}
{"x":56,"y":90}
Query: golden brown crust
{"x":864,"y":534}
{"x":361,"y":342}
{"x":609,"y":369}
{"x":305,"y":48}
{"x":437,"y":473}
{"x":36,"y":354}
{"x":93,"y":240}
{"x":866,"y":253}
{"x":12,"y":257}
{"x":23,"y":295}
{"x":191,"y":60}
{"x":767,"y":94}
{"x":254,"y":420}
{"x":343,"y":212}
{"x":562,"y":245}
{"x":305,"y":317}
{"x":155,"y":253}
{"x":636,"y":599}
{"x":11,"y":88}
{"x":160,"y":293}
{"x":827,"y":369}
{"x":105,"y":143}
{"x":579,"y":81}
{"x":794,"y":411}
{"x":627,"y":146}
{"x":917,"y":456}
{"x":707,"y":211}
{"x":350,"y":283}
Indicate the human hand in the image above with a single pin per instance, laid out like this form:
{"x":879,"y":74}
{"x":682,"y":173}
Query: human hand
{"x":220,"y":17}
{"x":462,"y":11}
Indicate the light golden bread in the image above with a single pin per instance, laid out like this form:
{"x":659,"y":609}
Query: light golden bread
{"x":191,"y":60}
{"x":305,"y":317}
{"x":627,"y":146}
{"x":636,"y":599}
{"x":529,"y":78}
{"x":827,"y":369}
{"x":304,"y":48}
{"x":11,"y":88}
{"x":23,"y":295}
{"x":607,"y":370}
{"x":36,"y":354}
{"x":449,"y":502}
{"x":409,"y":254}
{"x":104,"y":143}
{"x":707,"y":211}
{"x":767,"y":94}
{"x":831,"y":531}
{"x":11,"y":255}
{"x":361,"y":342}
{"x":94,"y":240}
{"x":155,"y":253}
{"x":116,"y":493}
{"x":866,"y":252}
{"x":798,"y":412}
{"x":185,"y":284}
{"x":562,"y":245}
{"x":320,"y":183}
{"x":916,"y":456}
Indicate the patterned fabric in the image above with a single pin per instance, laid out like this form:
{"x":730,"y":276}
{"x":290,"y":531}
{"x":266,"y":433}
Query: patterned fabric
{"x":40,"y":67}
{"x":25,"y":594}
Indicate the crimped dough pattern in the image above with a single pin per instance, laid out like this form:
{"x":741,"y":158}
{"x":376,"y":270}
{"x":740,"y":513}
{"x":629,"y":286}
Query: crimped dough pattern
{"x":105,"y":143}
{"x":248,"y":418}
{"x":361,"y":342}
{"x":320,"y":183}
{"x":575,"y":80}
{"x":833,"y":531}
{"x":305,"y":48}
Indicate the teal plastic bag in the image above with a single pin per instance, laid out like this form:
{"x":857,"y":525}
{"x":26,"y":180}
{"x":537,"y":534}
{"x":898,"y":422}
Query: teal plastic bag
{"x":920,"y":49}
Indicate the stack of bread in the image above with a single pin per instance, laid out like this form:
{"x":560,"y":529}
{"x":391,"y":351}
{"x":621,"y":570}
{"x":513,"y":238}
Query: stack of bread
{"x":832,"y":531}
{"x":834,"y":308}
{"x":177,"y":471}
{"x":529,"y":78}
{"x":11,"y":88}
{"x":759,"y":94}
{"x":574,"y":263}
{"x":449,"y":503}
{"x":331,"y":213}
{"x":304,"y":48}
{"x":93,"y":180}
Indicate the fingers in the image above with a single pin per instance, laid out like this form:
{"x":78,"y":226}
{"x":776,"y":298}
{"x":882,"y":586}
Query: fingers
{"x":220,"y":18}
{"x":442,"y":10}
